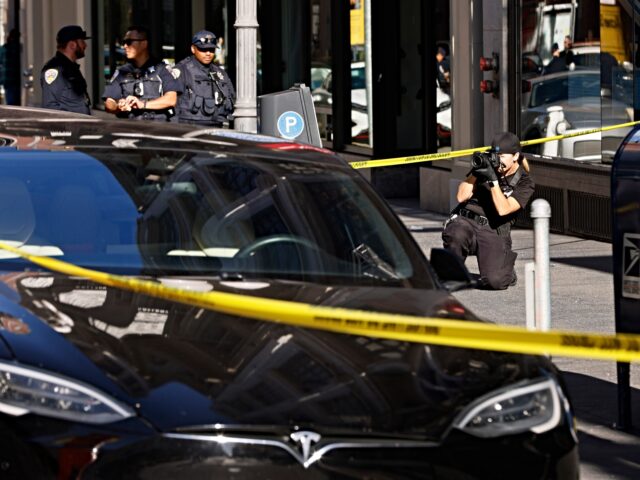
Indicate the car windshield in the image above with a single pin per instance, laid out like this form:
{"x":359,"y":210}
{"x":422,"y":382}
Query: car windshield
{"x":565,"y":88}
{"x":186,"y":213}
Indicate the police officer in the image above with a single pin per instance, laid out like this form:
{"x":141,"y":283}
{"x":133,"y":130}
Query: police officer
{"x":490,"y":198}
{"x":208,"y":94}
{"x":63,"y":86}
{"x":144,"y":88}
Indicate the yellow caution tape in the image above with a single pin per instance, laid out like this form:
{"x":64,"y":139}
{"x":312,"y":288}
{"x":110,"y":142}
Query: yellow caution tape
{"x":430,"y":157}
{"x":454,"y":333}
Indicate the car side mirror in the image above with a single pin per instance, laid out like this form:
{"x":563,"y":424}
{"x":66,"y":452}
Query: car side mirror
{"x":450,"y":269}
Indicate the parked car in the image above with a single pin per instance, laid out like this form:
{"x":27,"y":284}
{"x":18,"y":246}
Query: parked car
{"x":319,"y":72}
{"x":98,"y":382}
{"x":579,"y":95}
{"x":359,"y":116}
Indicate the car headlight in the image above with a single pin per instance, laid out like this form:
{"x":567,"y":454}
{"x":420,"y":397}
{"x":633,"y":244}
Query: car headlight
{"x":535,"y":407}
{"x":28,"y":390}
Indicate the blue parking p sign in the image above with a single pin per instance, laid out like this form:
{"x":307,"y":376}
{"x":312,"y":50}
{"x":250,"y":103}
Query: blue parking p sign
{"x":290,"y":125}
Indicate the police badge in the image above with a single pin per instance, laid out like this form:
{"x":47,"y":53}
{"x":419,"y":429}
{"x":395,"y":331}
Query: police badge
{"x":50,"y":75}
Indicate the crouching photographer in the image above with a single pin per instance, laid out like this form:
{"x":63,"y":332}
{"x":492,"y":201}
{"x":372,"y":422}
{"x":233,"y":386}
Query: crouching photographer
{"x":496,"y":188}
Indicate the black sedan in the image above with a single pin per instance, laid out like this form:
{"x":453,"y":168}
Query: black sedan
{"x":97,"y":382}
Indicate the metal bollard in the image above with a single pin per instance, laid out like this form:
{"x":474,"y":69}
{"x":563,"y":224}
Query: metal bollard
{"x":541,"y":213}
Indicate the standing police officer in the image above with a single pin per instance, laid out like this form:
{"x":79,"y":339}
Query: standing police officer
{"x":498,"y":186}
{"x":63,"y":86}
{"x":208,"y":94}
{"x":144,"y":88}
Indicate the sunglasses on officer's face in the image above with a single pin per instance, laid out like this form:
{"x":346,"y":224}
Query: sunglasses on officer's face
{"x":205,"y":50}
{"x":129,"y":41}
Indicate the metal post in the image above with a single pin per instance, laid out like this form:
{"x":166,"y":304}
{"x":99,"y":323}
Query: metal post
{"x":541,"y":213}
{"x":246,"y":25}
{"x":530,"y":295}
{"x":624,"y":396}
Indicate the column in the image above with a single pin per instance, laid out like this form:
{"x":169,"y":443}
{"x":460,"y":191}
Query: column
{"x":246,"y":35}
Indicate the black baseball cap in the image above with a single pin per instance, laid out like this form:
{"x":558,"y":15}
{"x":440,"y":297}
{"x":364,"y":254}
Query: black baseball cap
{"x":204,"y":39}
{"x":505,"y":142}
{"x":71,"y":32}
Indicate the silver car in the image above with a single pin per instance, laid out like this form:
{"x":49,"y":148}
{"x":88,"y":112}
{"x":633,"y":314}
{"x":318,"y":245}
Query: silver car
{"x":578,"y":94}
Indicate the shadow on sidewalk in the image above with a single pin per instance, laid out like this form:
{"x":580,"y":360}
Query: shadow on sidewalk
{"x":603,"y":448}
{"x":601,"y":263}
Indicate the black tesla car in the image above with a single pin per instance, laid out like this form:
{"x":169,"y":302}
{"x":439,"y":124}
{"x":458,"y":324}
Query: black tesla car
{"x":102,"y":383}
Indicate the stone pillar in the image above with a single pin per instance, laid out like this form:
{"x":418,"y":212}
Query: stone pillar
{"x":468,"y":100}
{"x":246,"y":25}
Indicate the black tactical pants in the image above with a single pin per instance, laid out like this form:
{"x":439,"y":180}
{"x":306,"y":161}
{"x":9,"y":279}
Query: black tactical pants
{"x":464,"y":237}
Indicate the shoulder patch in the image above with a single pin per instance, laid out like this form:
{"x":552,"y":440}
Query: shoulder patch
{"x":50,"y":75}
{"x":175,"y":72}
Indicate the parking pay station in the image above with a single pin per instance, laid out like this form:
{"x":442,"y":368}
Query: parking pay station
{"x":290,"y":114}
{"x":625,"y":204}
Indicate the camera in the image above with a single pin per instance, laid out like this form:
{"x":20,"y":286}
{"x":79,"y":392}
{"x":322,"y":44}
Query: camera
{"x":138,"y":89}
{"x":485,"y":159}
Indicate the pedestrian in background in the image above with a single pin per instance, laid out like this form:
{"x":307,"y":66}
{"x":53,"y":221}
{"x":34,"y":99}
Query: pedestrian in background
{"x":63,"y":86}
{"x":557,"y":63}
{"x":12,"y":73}
{"x":207,"y":95}
{"x":567,"y":53}
{"x":444,"y":70}
{"x":490,"y":198}
{"x":144,"y":88}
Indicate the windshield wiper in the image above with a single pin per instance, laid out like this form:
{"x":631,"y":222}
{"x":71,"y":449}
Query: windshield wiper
{"x":369,"y":258}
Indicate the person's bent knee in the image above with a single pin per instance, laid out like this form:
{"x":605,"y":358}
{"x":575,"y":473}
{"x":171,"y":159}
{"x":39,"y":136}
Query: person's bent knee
{"x":496,"y":281}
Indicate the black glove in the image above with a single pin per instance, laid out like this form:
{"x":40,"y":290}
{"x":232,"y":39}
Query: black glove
{"x":485,"y":174}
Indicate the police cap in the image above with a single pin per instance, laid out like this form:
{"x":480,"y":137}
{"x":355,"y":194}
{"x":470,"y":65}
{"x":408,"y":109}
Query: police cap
{"x":204,"y":39}
{"x":505,"y":142}
{"x":71,"y":32}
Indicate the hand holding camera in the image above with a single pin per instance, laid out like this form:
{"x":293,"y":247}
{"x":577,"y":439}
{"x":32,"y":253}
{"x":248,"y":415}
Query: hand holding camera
{"x":484,"y":166}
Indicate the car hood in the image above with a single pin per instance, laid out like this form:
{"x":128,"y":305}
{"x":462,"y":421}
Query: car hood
{"x":185,"y":367}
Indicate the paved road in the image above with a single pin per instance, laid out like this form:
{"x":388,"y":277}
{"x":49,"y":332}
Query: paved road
{"x":581,"y":299}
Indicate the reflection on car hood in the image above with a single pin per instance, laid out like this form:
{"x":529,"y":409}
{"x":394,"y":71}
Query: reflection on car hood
{"x":182,"y":366}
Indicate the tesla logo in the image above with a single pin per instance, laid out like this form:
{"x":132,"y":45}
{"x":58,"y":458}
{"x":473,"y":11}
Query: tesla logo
{"x":305,"y":439}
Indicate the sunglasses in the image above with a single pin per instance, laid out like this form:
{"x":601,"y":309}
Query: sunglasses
{"x":206,"y":40}
{"x":129,"y":41}
{"x":204,"y":50}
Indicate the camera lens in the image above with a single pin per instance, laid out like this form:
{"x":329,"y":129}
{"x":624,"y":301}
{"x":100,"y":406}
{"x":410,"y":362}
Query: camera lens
{"x":477,"y":160}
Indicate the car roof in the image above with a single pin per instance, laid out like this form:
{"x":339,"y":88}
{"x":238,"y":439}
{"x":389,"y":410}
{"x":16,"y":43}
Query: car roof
{"x":36,"y":128}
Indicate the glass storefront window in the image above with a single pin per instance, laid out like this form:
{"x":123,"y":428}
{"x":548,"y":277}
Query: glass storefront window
{"x":562,"y":87}
{"x":321,"y":64}
{"x":321,"y":76}
{"x":578,"y":74}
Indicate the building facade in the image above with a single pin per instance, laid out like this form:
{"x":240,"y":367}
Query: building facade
{"x":372,"y":67}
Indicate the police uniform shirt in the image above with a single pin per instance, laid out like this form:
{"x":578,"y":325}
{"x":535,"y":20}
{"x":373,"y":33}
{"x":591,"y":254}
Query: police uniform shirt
{"x":207,"y":95}
{"x":481,"y":201}
{"x":150,"y":81}
{"x":63,"y":86}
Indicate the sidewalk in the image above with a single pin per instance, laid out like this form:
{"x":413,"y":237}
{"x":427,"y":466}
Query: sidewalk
{"x":581,"y":299}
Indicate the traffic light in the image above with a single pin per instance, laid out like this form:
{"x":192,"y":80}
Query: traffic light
{"x":490,"y":64}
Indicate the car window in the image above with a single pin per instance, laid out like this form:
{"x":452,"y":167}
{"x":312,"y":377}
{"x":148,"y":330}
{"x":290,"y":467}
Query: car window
{"x":188,"y":213}
{"x":358,"y":78}
{"x":564,"y":88}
